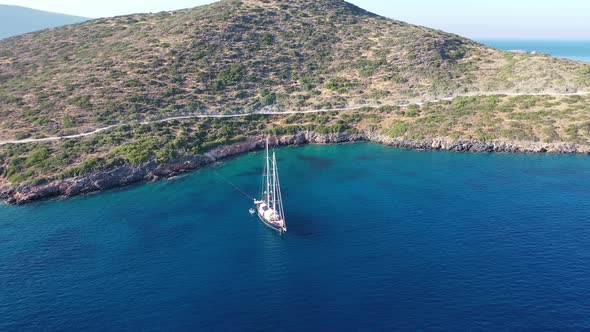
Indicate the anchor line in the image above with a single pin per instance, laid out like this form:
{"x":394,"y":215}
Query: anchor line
{"x":236,"y":187}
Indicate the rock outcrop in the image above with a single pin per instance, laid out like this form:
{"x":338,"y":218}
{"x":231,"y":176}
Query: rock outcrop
{"x":152,"y":171}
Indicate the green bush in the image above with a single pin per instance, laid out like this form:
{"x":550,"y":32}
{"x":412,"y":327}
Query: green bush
{"x":267,"y":98}
{"x":396,"y":79}
{"x":267,"y":39}
{"x":132,"y":84}
{"x":340,"y":84}
{"x":83,"y":102}
{"x":334,"y":129}
{"x":413,"y":111}
{"x":172,"y":91}
{"x":398,"y":129}
{"x":38,"y":157}
{"x":69,"y":121}
{"x":134,"y":153}
{"x":235,"y":73}
{"x":380,"y":94}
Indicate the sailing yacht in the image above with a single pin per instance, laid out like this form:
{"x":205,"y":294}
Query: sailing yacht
{"x":270,"y":206}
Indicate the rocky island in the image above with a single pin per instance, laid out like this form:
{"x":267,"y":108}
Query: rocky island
{"x":178,"y":90}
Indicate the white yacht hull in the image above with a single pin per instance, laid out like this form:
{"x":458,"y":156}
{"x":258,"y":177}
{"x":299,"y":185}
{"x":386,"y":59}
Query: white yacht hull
{"x":267,"y":216}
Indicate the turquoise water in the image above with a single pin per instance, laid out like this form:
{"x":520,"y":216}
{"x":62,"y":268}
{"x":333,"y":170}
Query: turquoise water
{"x":379,"y":238}
{"x":578,"y":50}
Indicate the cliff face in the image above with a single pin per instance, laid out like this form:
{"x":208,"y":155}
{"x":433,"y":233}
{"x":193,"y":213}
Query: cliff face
{"x":127,"y":175}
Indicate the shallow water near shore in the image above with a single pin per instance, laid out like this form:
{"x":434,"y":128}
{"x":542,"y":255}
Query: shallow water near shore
{"x":379,"y":238}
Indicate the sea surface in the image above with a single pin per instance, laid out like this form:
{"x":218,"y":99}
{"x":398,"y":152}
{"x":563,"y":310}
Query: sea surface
{"x":379,"y":239}
{"x":578,"y":50}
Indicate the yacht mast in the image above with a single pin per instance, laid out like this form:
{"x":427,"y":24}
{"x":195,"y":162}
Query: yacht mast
{"x":280,"y":211}
{"x":267,"y":174}
{"x":274,"y":181}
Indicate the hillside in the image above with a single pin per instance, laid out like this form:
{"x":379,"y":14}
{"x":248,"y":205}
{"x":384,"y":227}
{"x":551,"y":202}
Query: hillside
{"x":238,"y":56}
{"x":16,"y":20}
{"x":259,"y":55}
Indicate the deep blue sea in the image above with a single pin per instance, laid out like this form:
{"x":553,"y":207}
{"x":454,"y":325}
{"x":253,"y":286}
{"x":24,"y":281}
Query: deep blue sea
{"x":578,"y":50}
{"x":379,"y":239}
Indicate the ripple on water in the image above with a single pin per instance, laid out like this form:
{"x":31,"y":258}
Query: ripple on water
{"x":409,"y":240}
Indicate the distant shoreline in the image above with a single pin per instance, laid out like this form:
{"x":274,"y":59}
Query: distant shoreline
{"x":132,"y":174}
{"x":576,"y":50}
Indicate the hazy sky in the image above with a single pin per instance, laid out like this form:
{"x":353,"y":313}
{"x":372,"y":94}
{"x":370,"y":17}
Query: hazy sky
{"x":523,"y":19}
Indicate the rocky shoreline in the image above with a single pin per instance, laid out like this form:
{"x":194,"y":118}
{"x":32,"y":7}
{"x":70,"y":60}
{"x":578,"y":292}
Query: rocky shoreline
{"x":152,"y":171}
